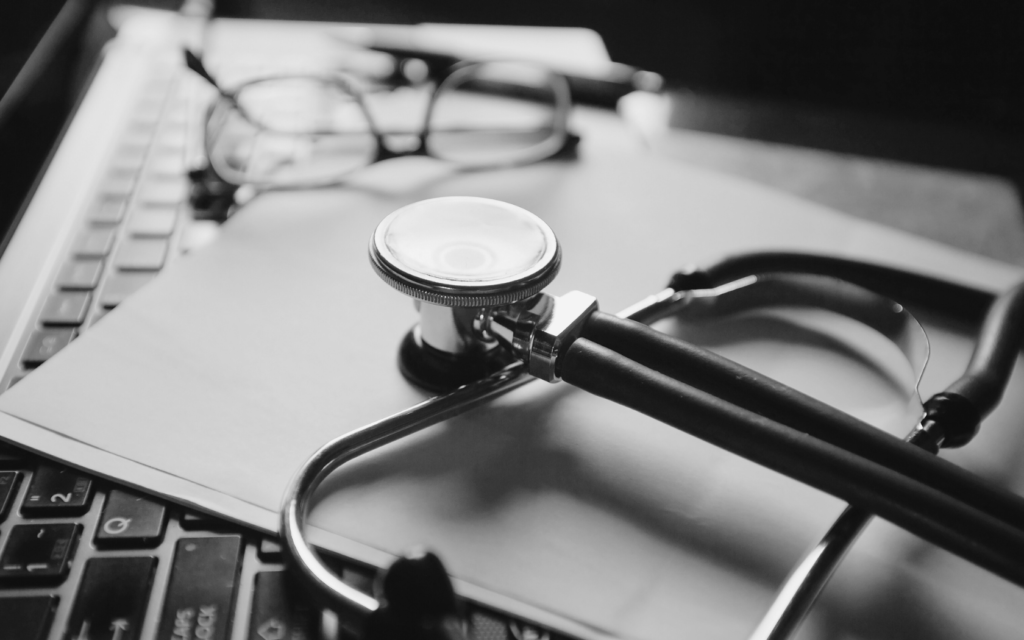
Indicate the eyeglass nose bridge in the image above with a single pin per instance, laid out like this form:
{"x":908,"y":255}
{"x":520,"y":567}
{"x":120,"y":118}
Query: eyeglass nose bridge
{"x":400,"y":145}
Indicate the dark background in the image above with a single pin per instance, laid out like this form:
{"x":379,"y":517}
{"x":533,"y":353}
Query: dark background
{"x":957,"y":62}
{"x":933,"y":82}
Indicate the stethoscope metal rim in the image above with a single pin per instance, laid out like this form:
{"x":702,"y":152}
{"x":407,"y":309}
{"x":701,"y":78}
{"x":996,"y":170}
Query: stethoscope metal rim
{"x":485,"y":292}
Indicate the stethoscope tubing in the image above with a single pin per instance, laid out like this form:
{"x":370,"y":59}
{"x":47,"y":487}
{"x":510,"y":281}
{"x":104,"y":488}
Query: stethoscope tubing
{"x":736,"y":384}
{"x":808,"y":578}
{"x":1001,"y":320}
{"x":918,"y":508}
{"x":952,"y":300}
{"x":1000,"y":317}
{"x":795,"y":435}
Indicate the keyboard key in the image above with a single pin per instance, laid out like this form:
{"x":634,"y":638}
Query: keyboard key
{"x":57,"y":491}
{"x":141,"y":254}
{"x":38,"y":552}
{"x":80,"y":274}
{"x":164,"y":192}
{"x":166,"y":165}
{"x":107,"y":211}
{"x":171,"y":140}
{"x":201,"y":588}
{"x":278,"y":613}
{"x":26,"y":618}
{"x":118,"y":187}
{"x":153,"y":221}
{"x":95,"y":243}
{"x":128,"y":158}
{"x":67,"y":308}
{"x":112,"y":599}
{"x":146,"y":114}
{"x":44,"y":344}
{"x":120,"y":286}
{"x":129,"y":520}
{"x":8,"y":488}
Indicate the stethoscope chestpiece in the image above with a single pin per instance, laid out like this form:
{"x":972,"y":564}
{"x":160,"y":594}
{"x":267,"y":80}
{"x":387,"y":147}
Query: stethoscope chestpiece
{"x":465,"y":260}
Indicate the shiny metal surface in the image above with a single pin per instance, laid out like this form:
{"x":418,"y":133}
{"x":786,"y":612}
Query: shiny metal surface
{"x":546,"y":335}
{"x":476,"y":268}
{"x":811,"y":575}
{"x":502,"y":324}
{"x":356,"y":443}
{"x":452,"y":329}
{"x":305,"y":560}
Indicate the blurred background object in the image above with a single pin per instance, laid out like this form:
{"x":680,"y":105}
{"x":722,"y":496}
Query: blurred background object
{"x":931,"y":82}
{"x":927,"y":83}
{"x":954,"y":66}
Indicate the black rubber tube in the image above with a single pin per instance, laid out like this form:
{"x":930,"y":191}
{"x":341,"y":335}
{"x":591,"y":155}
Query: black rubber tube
{"x":999,"y":341}
{"x":1000,"y":319}
{"x":738,"y":385}
{"x":811,"y":291}
{"x":930,"y":514}
{"x":956,"y":301}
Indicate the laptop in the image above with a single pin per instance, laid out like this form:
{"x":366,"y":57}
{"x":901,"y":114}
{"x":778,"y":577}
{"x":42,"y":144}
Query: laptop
{"x":82,"y":557}
{"x":79,"y":557}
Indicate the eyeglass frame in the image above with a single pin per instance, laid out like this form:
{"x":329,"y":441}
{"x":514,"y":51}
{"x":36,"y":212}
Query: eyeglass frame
{"x":562,"y":143}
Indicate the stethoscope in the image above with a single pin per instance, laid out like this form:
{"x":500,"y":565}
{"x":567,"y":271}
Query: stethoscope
{"x":477,"y":268}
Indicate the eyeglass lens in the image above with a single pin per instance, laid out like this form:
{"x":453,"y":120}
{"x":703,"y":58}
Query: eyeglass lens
{"x":299,"y":131}
{"x":495,"y":113}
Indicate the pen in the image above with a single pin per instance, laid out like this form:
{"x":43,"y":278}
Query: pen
{"x":602,"y":90}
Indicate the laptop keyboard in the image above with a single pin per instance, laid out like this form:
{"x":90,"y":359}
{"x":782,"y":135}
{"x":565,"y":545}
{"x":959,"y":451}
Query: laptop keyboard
{"x":85,"y":559}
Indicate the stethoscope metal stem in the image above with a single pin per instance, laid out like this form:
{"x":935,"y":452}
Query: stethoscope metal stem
{"x":373,"y":436}
{"x":808,"y":579}
{"x":356,"y":443}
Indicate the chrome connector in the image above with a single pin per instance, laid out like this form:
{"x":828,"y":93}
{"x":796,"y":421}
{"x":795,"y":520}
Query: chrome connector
{"x":543,"y":330}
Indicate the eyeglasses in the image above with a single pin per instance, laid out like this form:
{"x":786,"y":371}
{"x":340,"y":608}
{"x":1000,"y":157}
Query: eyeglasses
{"x":313,"y":130}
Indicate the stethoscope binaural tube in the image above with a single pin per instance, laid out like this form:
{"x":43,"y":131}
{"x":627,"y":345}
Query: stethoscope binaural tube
{"x":878,"y":473}
{"x":741,"y":386}
{"x":953,"y":415}
{"x":922,"y":510}
{"x":999,"y":318}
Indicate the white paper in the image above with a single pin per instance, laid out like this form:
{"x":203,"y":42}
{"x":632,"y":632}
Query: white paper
{"x":213,"y":384}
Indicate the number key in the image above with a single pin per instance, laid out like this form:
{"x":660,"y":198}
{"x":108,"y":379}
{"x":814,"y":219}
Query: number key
{"x":67,"y":308}
{"x":44,"y":344}
{"x":57,"y":491}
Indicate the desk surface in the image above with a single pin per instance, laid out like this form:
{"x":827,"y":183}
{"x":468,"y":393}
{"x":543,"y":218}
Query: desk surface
{"x":978,"y":212}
